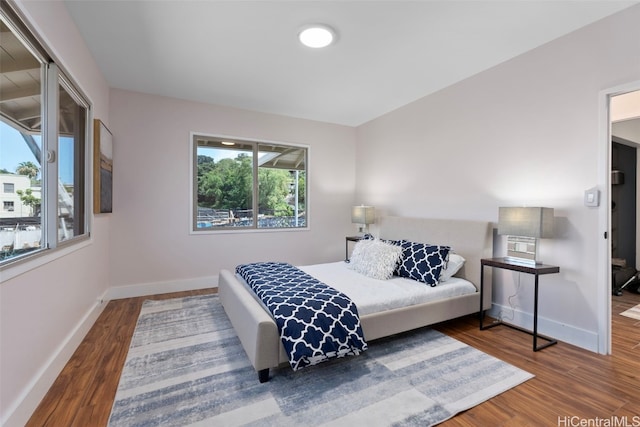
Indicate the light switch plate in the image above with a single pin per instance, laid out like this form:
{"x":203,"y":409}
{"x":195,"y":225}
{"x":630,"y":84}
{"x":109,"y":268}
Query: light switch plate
{"x":592,"y":197}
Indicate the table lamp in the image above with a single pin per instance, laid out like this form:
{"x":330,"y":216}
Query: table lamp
{"x":363,"y":215}
{"x":524,"y":226}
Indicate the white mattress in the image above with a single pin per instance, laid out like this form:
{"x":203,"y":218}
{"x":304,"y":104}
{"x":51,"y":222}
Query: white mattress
{"x":372,"y":295}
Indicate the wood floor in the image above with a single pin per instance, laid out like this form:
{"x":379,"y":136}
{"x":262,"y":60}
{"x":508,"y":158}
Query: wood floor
{"x":569,"y":382}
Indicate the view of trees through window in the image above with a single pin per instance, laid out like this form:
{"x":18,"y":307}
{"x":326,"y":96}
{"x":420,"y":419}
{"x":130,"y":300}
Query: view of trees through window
{"x":245,"y":184}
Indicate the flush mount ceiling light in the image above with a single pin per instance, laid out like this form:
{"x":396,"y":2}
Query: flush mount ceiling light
{"x":317,"y":36}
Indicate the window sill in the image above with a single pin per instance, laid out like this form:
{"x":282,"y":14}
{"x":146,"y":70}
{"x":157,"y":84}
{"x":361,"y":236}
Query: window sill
{"x":246,"y":230}
{"x":28,"y":264}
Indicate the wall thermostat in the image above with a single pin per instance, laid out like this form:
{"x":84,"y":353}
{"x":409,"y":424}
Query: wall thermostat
{"x":592,"y":197}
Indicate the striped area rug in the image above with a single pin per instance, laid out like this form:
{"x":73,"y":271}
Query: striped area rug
{"x":186,"y":367}
{"x":633,"y":312}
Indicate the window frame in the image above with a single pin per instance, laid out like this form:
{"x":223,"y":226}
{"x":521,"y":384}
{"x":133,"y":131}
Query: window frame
{"x":193,"y":180}
{"x":53,"y":77}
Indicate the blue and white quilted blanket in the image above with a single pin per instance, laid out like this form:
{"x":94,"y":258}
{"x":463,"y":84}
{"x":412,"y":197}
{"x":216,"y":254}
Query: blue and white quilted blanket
{"x":315,"y":321}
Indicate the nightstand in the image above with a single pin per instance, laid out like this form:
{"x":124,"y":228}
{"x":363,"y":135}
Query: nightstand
{"x":537,"y":270}
{"x":346,"y":245}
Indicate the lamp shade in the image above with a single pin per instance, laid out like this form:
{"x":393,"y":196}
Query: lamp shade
{"x":363,"y":215}
{"x":527,"y":222}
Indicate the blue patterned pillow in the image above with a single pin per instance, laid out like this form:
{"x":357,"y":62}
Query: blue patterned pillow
{"x":422,"y":262}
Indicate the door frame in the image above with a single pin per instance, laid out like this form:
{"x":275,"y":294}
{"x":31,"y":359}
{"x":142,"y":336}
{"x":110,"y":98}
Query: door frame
{"x":604,"y":217}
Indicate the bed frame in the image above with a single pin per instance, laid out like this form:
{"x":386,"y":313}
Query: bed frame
{"x":473,"y":240}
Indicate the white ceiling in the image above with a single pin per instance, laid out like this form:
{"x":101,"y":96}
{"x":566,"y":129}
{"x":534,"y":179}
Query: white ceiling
{"x":245,"y":54}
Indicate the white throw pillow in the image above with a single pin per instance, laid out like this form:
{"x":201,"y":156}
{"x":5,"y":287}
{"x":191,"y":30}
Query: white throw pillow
{"x":454,"y":265}
{"x":375,"y":258}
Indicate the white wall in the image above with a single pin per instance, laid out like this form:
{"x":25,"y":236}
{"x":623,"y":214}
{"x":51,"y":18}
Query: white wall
{"x":151,"y":247}
{"x":47,"y":305}
{"x":522,"y":133}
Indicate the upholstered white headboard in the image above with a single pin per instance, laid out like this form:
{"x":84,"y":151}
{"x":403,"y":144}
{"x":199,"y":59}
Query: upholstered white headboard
{"x":472,"y":240}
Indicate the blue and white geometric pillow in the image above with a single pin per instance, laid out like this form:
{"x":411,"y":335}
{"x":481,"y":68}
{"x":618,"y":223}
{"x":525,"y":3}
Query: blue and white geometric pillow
{"x":422,"y":262}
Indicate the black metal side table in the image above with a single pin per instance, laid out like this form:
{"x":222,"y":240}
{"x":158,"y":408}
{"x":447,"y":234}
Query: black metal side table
{"x":537,"y":270}
{"x":346,"y":245}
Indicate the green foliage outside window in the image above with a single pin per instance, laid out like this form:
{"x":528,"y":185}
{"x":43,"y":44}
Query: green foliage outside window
{"x":228,"y":184}
{"x":28,"y":199}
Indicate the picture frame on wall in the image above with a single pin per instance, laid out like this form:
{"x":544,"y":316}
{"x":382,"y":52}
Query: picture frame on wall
{"x":102,"y":168}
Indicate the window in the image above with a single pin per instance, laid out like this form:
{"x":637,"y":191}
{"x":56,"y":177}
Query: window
{"x":240,"y":184}
{"x":44,"y":123}
{"x":71,"y":164}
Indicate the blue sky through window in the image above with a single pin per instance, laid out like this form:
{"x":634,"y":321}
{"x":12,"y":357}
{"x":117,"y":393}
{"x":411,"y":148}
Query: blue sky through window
{"x":14,"y":150}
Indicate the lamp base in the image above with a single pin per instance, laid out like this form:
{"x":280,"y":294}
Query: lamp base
{"x":362,"y":230}
{"x":522,"y":250}
{"x":522,"y":261}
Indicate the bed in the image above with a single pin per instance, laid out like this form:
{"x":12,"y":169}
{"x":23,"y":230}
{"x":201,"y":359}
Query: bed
{"x":472,"y":240}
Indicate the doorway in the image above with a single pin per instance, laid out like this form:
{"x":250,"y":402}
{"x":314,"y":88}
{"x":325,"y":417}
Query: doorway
{"x":623,"y":221}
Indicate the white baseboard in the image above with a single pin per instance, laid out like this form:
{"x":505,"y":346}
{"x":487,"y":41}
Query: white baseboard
{"x":21,"y":410}
{"x":567,"y":333}
{"x":153,"y":288}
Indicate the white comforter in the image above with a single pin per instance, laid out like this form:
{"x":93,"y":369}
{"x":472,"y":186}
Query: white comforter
{"x":372,"y":295}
